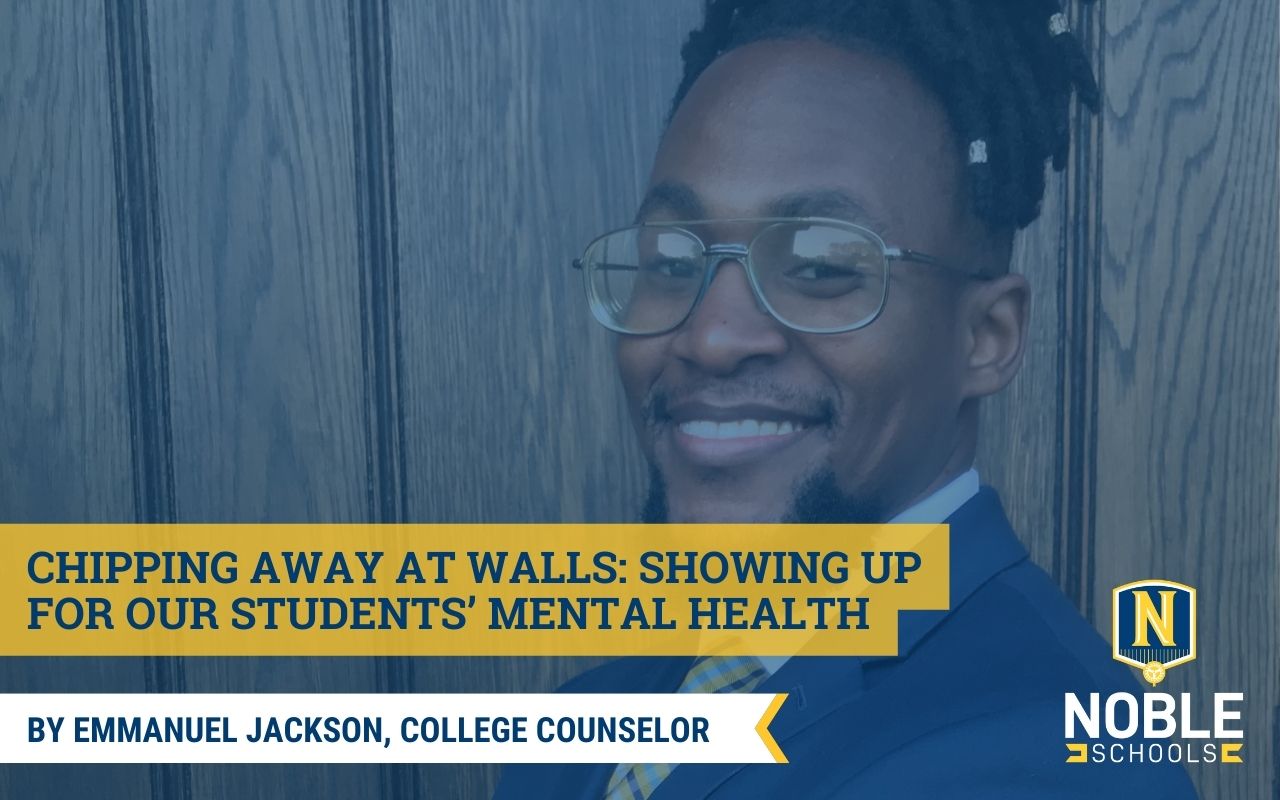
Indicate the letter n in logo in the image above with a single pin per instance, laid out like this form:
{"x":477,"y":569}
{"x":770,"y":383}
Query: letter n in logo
{"x":1153,"y":626}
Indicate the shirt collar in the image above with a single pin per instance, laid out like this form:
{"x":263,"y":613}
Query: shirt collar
{"x":936,"y":507}
{"x":942,"y":503}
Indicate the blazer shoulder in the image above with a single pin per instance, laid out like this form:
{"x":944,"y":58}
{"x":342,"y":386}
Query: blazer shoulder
{"x":1049,"y":629}
{"x":1016,"y":641}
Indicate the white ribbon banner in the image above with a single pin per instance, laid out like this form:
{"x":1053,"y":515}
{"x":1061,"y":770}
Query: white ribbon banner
{"x":388,"y":728}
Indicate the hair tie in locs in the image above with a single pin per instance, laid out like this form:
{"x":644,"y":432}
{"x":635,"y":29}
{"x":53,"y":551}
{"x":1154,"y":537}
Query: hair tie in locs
{"x":1006,"y":72}
{"x":978,"y":151}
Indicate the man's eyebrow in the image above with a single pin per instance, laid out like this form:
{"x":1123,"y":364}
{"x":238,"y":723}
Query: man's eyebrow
{"x":676,"y":198}
{"x":827,"y":203}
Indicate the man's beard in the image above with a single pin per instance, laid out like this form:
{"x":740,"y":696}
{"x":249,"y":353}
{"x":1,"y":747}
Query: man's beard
{"x":816,"y":499}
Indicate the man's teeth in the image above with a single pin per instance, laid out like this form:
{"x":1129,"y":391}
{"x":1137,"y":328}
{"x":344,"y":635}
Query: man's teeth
{"x":738,"y":429}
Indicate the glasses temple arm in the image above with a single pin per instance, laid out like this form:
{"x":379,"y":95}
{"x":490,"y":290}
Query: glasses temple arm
{"x":899,"y":254}
{"x":578,"y":265}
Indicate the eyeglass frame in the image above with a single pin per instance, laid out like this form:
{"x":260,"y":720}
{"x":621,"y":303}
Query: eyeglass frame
{"x":719,"y":253}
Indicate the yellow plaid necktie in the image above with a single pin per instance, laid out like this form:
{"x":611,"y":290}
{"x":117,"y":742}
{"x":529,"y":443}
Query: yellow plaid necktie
{"x":712,"y":674}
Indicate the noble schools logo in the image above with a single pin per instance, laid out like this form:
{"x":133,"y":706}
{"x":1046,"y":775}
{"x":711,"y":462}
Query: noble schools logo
{"x":1153,"y":628}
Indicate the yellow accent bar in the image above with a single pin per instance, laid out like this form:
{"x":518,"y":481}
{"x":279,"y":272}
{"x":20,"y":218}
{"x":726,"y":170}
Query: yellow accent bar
{"x":388,"y":590}
{"x":1079,"y":753}
{"x":762,"y":728}
{"x":1230,"y":753}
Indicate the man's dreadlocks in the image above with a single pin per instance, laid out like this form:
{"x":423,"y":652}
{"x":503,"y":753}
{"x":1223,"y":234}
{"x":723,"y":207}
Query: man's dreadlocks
{"x":1004,"y":70}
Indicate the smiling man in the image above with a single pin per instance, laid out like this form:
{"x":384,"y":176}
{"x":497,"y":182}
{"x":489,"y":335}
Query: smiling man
{"x":787,"y":385}
{"x":810,"y":307}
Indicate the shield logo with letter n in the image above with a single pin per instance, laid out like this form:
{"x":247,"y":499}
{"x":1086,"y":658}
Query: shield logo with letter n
{"x":1153,"y":626}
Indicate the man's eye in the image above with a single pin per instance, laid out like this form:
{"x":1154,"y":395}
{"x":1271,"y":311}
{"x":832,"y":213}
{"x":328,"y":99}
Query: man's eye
{"x":824,"y":280}
{"x":820,"y":271}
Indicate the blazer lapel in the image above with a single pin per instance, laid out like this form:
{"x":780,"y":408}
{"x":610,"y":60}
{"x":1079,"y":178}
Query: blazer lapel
{"x":816,"y":687}
{"x":982,"y":545}
{"x":656,"y":675}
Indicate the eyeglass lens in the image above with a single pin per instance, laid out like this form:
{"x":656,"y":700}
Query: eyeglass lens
{"x":811,"y":276}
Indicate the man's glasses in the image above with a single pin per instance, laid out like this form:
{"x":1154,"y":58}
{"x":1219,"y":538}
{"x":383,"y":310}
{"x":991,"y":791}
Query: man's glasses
{"x":813,"y":275}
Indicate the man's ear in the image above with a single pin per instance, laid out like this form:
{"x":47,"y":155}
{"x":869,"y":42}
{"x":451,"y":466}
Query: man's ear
{"x":996,"y":316}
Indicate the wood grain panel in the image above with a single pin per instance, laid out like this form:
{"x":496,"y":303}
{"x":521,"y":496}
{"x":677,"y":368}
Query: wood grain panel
{"x":64,"y":450}
{"x":253,"y":129}
{"x":64,"y":445}
{"x":1187,"y":438}
{"x":523,"y":129}
{"x":522,"y":132}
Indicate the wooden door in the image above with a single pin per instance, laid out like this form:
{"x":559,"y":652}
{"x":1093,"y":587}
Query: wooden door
{"x":308,"y":261}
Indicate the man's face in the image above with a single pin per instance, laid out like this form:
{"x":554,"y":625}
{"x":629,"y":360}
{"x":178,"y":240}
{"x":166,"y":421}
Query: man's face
{"x":744,"y":419}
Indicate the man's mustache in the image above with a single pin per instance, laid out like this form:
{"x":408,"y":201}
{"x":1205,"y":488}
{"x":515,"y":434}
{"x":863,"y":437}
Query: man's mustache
{"x":754,"y":391}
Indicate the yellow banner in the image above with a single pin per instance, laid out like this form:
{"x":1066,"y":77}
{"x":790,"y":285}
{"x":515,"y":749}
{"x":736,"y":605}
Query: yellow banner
{"x":475,"y":590}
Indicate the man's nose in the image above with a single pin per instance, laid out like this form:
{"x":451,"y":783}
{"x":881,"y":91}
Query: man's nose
{"x":729,"y":328}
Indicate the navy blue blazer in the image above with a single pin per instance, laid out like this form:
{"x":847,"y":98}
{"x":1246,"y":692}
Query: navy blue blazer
{"x":972,"y":707}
